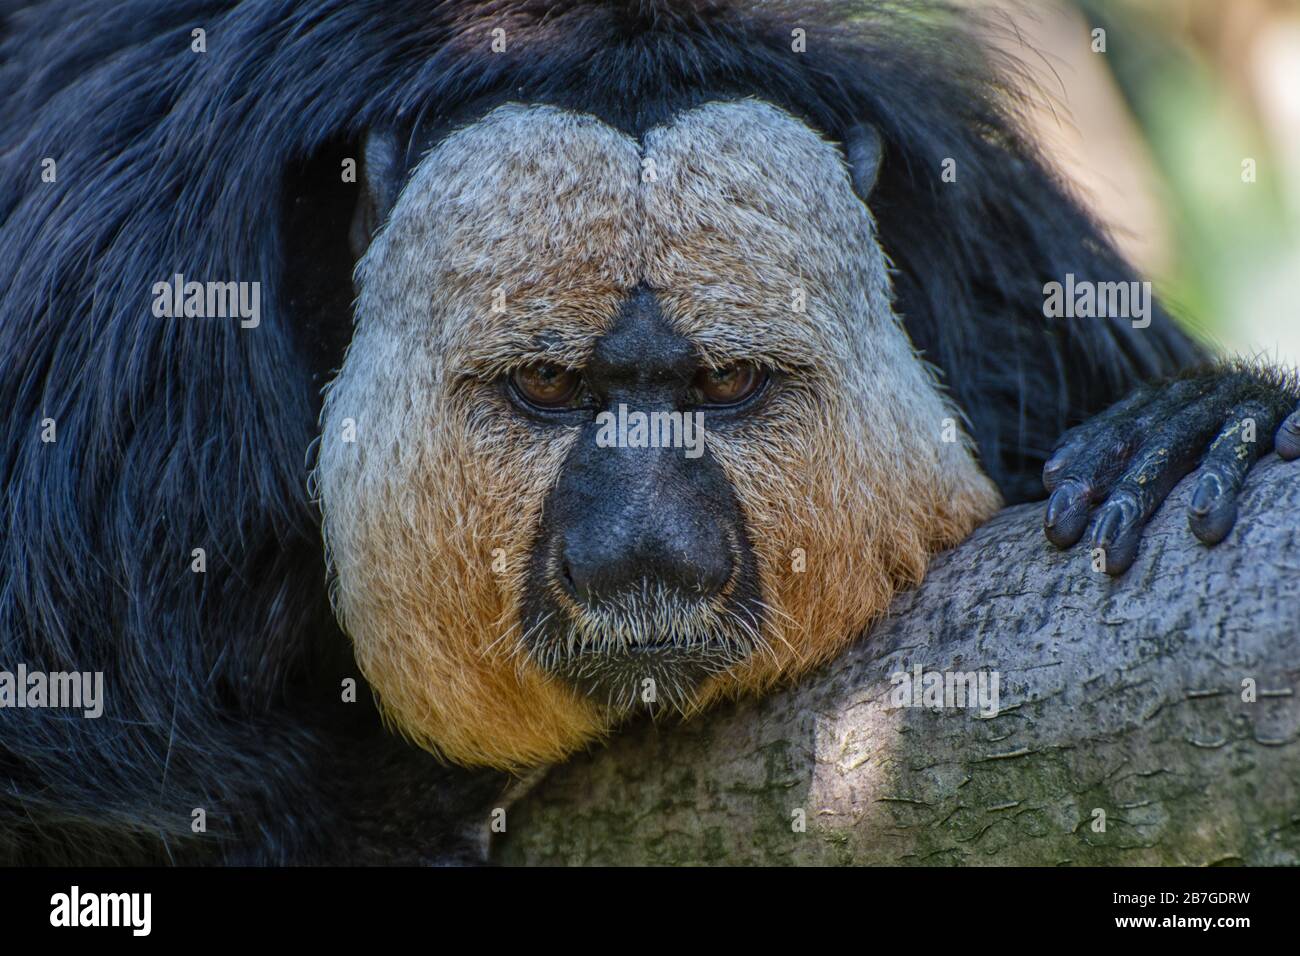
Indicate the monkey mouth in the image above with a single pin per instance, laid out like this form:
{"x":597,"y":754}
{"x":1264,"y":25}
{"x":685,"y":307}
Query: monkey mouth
{"x":646,"y":655}
{"x":648,"y":645}
{"x":654,"y":676}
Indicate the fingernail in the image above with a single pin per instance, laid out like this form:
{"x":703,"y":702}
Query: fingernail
{"x":1206,"y":496}
{"x":1056,"y":506}
{"x":1288,"y":438}
{"x":1059,"y":505}
{"x":1108,"y":526}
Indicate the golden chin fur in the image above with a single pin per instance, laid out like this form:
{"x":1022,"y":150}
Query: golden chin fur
{"x":515,"y":241}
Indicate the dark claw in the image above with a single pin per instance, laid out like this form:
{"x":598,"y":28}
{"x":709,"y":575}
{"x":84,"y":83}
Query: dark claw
{"x":1067,"y":513}
{"x":1116,"y":532}
{"x":1213,"y":509}
{"x":1287,"y":442}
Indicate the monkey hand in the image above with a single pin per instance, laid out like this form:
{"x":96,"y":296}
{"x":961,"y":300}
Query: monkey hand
{"x":1126,"y":460}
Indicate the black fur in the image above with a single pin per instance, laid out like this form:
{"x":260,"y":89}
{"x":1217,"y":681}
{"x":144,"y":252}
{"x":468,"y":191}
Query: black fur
{"x":223,"y":689}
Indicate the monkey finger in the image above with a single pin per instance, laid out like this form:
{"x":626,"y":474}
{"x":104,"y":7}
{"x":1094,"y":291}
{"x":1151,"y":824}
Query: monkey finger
{"x":1088,"y":471}
{"x":1081,"y":473}
{"x":1066,"y":516}
{"x":1054,"y":468}
{"x":1106,"y":438}
{"x":1213,"y":508}
{"x":1167,"y":456}
{"x":1287,"y":441}
{"x":1116,"y":531}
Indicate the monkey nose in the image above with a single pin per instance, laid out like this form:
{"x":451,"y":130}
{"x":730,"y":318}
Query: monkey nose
{"x":601,"y":570}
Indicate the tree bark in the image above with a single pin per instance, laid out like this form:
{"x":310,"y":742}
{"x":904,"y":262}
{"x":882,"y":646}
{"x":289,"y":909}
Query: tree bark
{"x":1122,"y":735}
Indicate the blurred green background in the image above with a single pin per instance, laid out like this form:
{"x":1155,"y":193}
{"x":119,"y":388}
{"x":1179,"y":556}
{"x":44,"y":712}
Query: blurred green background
{"x":1155,"y":132}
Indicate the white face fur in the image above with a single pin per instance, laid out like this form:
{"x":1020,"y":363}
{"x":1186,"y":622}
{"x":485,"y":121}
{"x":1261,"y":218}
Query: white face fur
{"x":514,"y":241}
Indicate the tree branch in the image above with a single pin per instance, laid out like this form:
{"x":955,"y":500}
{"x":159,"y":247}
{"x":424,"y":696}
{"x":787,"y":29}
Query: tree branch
{"x":1117,"y":697}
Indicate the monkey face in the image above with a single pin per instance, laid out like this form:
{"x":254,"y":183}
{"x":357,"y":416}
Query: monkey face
{"x":642,"y":580}
{"x":516,"y":570}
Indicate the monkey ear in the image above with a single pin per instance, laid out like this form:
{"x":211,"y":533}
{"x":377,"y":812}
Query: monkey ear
{"x":381,"y":174}
{"x":864,"y":149}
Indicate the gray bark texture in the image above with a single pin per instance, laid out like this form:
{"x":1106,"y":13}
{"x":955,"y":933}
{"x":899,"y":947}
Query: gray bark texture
{"x":1118,"y":697}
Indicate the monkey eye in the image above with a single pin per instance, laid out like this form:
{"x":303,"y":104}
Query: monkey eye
{"x":730,"y":384}
{"x":546,"y":385}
